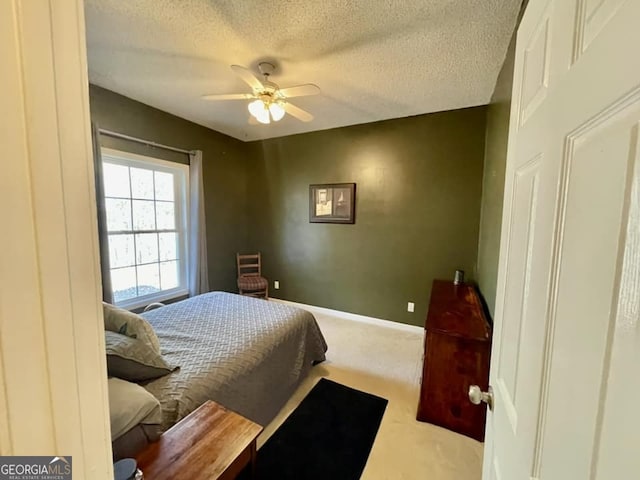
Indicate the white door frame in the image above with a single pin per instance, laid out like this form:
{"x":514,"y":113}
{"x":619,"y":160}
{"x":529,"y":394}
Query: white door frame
{"x":53,"y":389}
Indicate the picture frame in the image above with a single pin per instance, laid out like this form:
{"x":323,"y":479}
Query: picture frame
{"x":332,"y":203}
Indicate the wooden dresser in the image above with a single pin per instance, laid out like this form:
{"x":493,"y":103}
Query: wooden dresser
{"x":457,"y":351}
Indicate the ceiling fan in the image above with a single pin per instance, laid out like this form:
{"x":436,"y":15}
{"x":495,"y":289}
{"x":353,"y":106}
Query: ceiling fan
{"x":270,"y":102}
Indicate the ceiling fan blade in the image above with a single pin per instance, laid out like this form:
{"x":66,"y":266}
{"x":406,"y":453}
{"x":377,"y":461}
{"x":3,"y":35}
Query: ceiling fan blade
{"x":300,"y":90}
{"x":249,"y":78}
{"x":297,"y":112}
{"x":228,"y":96}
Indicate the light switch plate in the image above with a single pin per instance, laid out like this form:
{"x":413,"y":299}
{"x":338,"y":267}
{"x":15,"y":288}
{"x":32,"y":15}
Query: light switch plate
{"x":410,"y":307}
{"x":276,"y":284}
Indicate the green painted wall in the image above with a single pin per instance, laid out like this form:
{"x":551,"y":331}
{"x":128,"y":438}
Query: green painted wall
{"x":419,"y":183}
{"x":495,"y":162}
{"x":224,"y":170}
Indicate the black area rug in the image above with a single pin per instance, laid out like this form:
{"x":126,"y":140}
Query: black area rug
{"x":328,"y":437}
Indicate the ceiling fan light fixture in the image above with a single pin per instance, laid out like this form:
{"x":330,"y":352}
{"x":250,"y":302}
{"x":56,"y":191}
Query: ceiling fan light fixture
{"x":256,"y":107}
{"x":268,"y":102}
{"x":277,"y":112}
{"x":259,"y":110}
{"x":264,"y":117}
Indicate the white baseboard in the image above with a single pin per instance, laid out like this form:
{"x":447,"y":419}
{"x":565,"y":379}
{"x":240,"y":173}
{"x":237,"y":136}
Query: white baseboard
{"x":353,"y":316}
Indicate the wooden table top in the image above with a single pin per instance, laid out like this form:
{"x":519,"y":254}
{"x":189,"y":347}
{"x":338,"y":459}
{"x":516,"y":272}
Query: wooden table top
{"x":201,"y":446}
{"x":456,"y":310}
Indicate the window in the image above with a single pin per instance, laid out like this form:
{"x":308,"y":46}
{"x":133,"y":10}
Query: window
{"x":146,"y":209}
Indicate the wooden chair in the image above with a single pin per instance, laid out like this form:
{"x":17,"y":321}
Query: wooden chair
{"x":250,"y":279}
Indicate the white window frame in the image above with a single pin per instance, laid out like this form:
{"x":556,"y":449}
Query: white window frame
{"x":181,"y":190}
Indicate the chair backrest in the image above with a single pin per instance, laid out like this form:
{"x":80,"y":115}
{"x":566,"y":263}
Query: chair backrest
{"x":249,"y":265}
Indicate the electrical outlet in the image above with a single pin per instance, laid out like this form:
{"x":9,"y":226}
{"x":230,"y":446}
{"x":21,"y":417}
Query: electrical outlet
{"x":276,"y":284}
{"x":410,"y":307}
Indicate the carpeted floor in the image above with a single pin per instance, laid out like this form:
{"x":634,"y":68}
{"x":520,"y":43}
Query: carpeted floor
{"x":387,"y":362}
{"x":328,"y":436}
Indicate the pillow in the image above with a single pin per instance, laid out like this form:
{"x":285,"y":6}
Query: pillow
{"x":130,"y":324}
{"x":129,"y":405}
{"x":131,"y":359}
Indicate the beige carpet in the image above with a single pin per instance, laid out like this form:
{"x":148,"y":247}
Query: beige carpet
{"x":387,"y":362}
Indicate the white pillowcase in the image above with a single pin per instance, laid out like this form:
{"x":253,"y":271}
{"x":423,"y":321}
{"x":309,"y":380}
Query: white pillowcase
{"x":130,"y":324}
{"x":129,"y":405}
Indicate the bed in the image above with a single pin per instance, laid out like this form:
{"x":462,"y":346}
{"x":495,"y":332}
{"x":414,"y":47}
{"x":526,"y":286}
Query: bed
{"x":245,"y":353}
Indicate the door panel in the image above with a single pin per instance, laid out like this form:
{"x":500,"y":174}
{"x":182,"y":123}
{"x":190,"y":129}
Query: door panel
{"x":535,"y":65}
{"x":517,"y":363}
{"x":592,"y":17}
{"x":618,"y":435}
{"x":566,"y":334}
{"x":593,"y":197}
{"x":524,"y":200}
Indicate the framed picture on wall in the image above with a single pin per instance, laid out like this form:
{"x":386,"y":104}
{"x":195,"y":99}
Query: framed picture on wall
{"x":332,"y":203}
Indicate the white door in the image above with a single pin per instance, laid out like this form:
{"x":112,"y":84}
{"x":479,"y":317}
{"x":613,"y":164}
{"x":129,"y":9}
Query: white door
{"x":565,"y":365}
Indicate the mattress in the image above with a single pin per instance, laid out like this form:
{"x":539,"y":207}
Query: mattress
{"x":244,"y":353}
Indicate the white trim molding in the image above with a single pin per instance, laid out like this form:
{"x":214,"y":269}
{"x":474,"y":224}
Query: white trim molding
{"x":53,"y":397}
{"x":379,"y":322}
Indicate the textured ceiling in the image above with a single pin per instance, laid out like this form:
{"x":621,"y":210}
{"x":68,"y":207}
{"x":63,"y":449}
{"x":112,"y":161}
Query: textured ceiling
{"x":373,"y":59}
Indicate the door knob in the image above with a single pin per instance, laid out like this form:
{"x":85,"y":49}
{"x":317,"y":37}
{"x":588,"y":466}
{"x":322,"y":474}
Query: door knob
{"x":477,"y":396}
